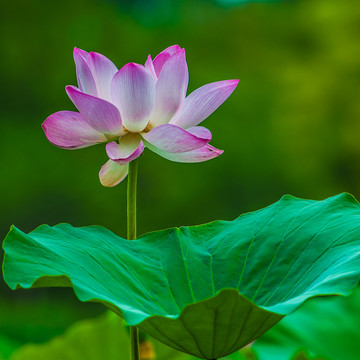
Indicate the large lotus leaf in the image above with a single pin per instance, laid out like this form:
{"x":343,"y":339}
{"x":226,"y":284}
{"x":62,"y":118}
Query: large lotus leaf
{"x":327,"y":328}
{"x":102,"y":338}
{"x":206,"y":290}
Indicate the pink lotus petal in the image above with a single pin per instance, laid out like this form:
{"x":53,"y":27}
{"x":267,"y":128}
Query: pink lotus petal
{"x":203,"y":102}
{"x":201,"y":132}
{"x":69,"y":130}
{"x":170,"y":88}
{"x":162,"y":57}
{"x":100,"y":114}
{"x":205,"y":153}
{"x":112,"y":173}
{"x":149,"y":66}
{"x":174,"y":139}
{"x":84,"y":76}
{"x":103,"y":70}
{"x":129,"y":148}
{"x":81,"y":52}
{"x":133,"y":92}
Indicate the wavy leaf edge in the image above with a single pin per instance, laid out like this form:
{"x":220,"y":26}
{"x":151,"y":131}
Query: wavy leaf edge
{"x":184,"y":309}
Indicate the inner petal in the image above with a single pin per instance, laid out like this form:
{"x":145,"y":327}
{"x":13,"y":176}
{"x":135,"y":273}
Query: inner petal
{"x":103,"y":70}
{"x":133,"y":92}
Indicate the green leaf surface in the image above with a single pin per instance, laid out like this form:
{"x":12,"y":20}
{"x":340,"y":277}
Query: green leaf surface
{"x":327,"y":328}
{"x":206,"y":290}
{"x":102,"y":338}
{"x":7,"y":345}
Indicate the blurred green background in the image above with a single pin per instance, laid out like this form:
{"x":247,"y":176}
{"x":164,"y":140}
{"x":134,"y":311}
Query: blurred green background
{"x":291,"y":126}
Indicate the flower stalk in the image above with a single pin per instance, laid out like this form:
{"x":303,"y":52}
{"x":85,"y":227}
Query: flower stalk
{"x":131,"y":235}
{"x":131,"y":200}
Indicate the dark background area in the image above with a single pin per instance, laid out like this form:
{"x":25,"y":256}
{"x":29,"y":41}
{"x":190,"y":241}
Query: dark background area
{"x":291,"y":126}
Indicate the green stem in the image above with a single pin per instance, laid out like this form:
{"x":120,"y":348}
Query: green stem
{"x":131,"y":200}
{"x":134,"y":343}
{"x":131,"y":235}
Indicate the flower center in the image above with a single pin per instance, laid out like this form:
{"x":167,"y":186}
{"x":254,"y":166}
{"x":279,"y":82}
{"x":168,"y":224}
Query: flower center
{"x":148,"y":127}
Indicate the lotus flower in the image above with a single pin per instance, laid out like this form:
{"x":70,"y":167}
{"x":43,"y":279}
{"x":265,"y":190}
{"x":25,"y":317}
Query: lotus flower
{"x":137,"y":106}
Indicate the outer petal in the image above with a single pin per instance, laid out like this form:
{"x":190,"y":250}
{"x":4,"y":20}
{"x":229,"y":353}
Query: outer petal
{"x":69,"y":130}
{"x":85,"y":78}
{"x":162,"y":57}
{"x":112,"y":173}
{"x":103,"y":70}
{"x":174,"y":139}
{"x":205,"y":153}
{"x":203,"y":102}
{"x":170,"y":88}
{"x":133,"y":92}
{"x":129,"y":148}
{"x":100,"y":114}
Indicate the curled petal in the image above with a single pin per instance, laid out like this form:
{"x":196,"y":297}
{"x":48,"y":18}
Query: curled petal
{"x":112,"y":173}
{"x":162,"y":57}
{"x":103,"y":70}
{"x":205,"y":153}
{"x":100,"y":114}
{"x":174,"y":139}
{"x":129,"y":148}
{"x":200,"y":132}
{"x":170,"y":88}
{"x":69,"y":130}
{"x":133,"y":92}
{"x":84,"y":76}
{"x":202,"y":102}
